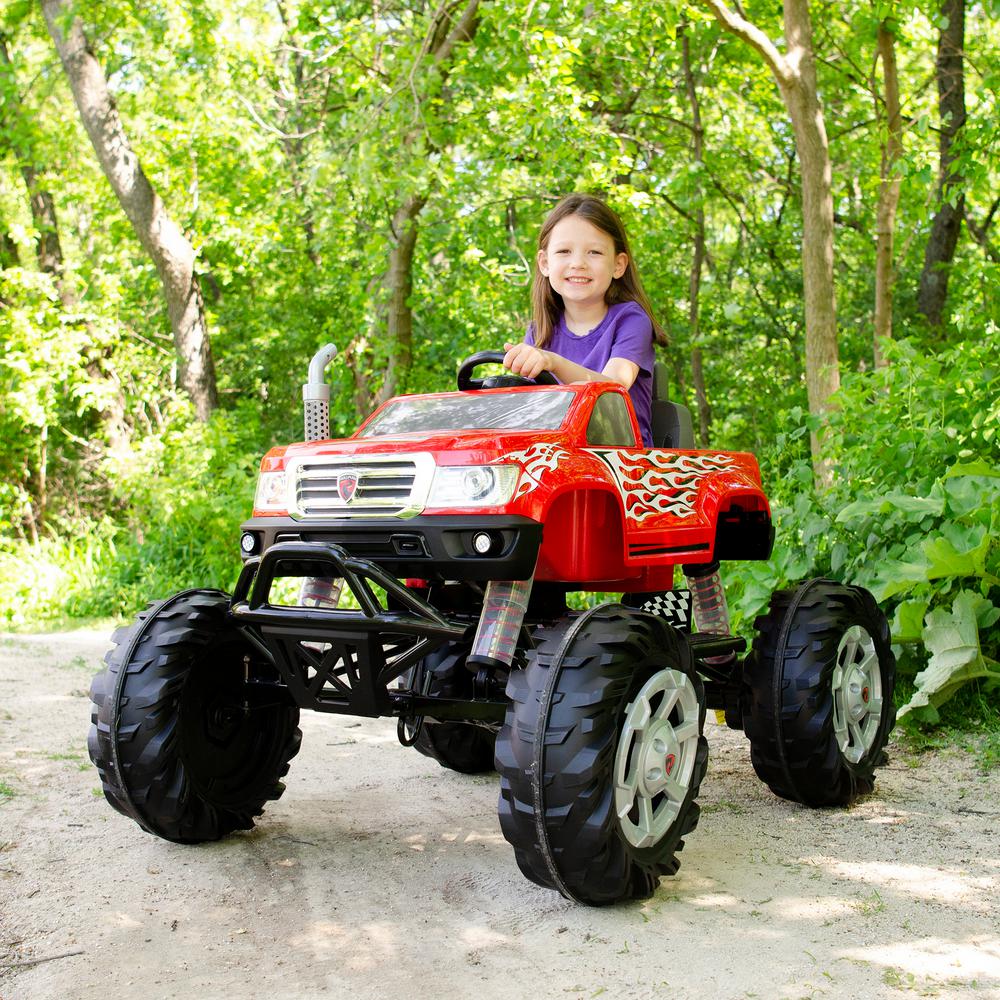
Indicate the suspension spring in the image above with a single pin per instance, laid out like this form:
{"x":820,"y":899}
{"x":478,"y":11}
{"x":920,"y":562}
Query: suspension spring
{"x":708,"y":605}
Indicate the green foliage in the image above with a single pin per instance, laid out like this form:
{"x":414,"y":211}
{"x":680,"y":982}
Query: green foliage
{"x":181,"y":497}
{"x":914,"y":514}
{"x":969,"y":720}
{"x":282,"y":138}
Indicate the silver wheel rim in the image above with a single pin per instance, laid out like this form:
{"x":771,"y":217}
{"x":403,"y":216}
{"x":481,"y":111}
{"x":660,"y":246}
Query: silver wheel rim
{"x":655,"y":761}
{"x":857,"y":694}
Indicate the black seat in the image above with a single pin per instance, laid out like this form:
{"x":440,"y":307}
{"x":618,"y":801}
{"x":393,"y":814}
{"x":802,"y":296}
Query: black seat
{"x":670,"y":422}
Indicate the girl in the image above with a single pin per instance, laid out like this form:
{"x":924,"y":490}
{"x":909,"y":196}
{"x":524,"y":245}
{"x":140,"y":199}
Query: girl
{"x":591,"y":319}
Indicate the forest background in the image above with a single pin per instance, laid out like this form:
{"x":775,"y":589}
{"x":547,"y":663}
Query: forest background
{"x":195,"y":196}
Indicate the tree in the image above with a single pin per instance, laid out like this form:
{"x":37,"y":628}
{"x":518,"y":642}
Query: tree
{"x":171,"y":252}
{"x":888,"y":192}
{"x":19,"y":136}
{"x":424,"y":80}
{"x":795,"y":74}
{"x":698,"y":256}
{"x":943,"y":238}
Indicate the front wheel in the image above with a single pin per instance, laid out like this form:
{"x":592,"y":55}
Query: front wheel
{"x":191,"y":732}
{"x":601,"y":755}
{"x":820,"y":681}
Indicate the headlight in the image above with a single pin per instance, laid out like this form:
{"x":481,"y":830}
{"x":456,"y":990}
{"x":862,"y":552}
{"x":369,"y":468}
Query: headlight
{"x":271,"y":493}
{"x":473,"y":485}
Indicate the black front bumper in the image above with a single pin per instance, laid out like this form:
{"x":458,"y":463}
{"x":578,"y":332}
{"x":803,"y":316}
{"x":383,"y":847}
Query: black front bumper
{"x":353,"y":662}
{"x":430,"y":548}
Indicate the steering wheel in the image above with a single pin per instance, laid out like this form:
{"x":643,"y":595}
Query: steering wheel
{"x":467,"y":383}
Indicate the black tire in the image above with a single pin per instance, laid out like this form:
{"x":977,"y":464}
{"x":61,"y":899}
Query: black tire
{"x":176,"y":749}
{"x":458,"y":746}
{"x":814,"y":645}
{"x":568,"y":737}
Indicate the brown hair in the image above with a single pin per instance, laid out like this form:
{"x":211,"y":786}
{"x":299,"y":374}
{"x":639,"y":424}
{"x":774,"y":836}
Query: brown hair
{"x":547,"y":305}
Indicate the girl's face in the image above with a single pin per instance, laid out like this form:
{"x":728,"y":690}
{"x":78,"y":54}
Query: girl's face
{"x":580,"y":262}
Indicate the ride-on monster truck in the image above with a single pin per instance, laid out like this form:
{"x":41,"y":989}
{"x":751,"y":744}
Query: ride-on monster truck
{"x":459,"y":521}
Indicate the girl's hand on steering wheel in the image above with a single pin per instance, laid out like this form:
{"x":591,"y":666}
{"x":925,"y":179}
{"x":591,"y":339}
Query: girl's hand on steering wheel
{"x":525,"y":360}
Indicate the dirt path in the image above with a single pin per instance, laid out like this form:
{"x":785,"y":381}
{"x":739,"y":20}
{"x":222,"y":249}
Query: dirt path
{"x":381,"y":875}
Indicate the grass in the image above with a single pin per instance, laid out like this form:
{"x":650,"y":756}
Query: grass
{"x":903,"y":980}
{"x":723,"y":805}
{"x":80,"y":662}
{"x":868,"y":906}
{"x":6,"y":791}
{"x":969,"y":722}
{"x":59,"y":622}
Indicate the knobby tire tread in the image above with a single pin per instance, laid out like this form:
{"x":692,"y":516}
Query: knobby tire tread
{"x":557,"y":748}
{"x":788,"y":715}
{"x":136,"y":737}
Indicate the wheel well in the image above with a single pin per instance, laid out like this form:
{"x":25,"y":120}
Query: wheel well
{"x":743,"y":528}
{"x":584,"y":538}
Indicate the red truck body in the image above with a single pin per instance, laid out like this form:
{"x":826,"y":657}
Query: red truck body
{"x":614,"y":516}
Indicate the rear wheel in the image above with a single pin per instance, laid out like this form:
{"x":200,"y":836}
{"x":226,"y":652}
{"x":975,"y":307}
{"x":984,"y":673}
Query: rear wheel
{"x":820,"y":679}
{"x":458,"y":746}
{"x":601,"y":755}
{"x":188,"y":735}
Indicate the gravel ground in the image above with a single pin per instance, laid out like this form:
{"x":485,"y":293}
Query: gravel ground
{"x":381,"y":875}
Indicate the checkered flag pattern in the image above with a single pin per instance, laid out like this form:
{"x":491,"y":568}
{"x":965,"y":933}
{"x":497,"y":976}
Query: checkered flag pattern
{"x":672,"y":605}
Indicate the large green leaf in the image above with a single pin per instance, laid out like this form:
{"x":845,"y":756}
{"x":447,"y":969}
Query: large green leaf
{"x":977,"y":468}
{"x":918,"y":506}
{"x":908,"y":621}
{"x":952,"y":638}
{"x":898,"y":578}
{"x":958,"y":551}
{"x":969,"y":495}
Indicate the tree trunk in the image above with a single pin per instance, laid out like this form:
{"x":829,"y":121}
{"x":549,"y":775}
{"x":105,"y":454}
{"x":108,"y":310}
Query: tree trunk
{"x":43,"y":210}
{"x":943,"y":239}
{"x":166,"y":245}
{"x":802,"y":101}
{"x":43,"y":214}
{"x":888,"y":193}
{"x":399,"y":286}
{"x":795,"y":73}
{"x":292,"y":138}
{"x":394,"y":288}
{"x":698,"y":256}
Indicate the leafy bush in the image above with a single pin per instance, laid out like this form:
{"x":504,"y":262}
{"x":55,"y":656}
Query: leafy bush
{"x":184,"y":493}
{"x":913,"y":514}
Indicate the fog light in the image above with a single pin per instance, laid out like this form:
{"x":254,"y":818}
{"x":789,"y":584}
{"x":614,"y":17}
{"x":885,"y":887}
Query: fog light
{"x":482,"y":542}
{"x":248,"y":542}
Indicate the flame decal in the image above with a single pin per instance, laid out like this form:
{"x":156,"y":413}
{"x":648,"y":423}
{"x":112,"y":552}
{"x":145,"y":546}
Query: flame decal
{"x":660,"y":482}
{"x":535,"y":460}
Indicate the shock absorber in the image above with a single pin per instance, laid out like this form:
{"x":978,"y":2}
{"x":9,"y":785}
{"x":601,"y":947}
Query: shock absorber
{"x":320,"y":591}
{"x":708,"y":604}
{"x":317,"y":591}
{"x":504,"y":607}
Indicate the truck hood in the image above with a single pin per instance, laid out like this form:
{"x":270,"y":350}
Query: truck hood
{"x":461,"y":447}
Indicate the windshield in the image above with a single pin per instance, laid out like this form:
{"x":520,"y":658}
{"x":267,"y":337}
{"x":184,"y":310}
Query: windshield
{"x":536,"y":411}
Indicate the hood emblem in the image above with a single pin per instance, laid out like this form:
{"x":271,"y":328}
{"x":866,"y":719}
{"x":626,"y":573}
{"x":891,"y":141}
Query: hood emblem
{"x":347,"y":485}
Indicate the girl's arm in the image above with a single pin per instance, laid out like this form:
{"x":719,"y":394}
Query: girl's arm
{"x":529,"y":361}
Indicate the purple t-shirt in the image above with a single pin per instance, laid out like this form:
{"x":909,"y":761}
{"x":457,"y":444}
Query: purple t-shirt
{"x":625,"y":332}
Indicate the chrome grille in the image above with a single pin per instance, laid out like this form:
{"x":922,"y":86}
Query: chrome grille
{"x":390,"y":486}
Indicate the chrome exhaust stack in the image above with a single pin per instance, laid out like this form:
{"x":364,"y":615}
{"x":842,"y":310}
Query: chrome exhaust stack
{"x":316,"y":395}
{"x":319,"y":592}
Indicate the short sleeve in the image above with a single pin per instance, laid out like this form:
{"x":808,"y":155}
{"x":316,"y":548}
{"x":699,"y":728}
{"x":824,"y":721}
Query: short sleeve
{"x":633,"y":338}
{"x":529,"y":335}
